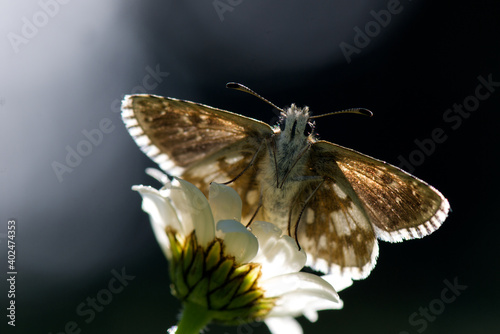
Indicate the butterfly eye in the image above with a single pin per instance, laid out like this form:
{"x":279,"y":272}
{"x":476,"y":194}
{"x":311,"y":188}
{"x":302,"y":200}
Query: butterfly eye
{"x":308,"y":129}
{"x":282,"y":124}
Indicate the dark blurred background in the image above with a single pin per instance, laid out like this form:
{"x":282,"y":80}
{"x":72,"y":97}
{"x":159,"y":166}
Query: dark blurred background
{"x":65,"y":67}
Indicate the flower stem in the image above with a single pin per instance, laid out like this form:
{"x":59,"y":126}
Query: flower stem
{"x":193,"y":319}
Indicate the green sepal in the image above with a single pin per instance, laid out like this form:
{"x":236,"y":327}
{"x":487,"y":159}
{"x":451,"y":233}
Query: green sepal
{"x":260,"y":309}
{"x":179,"y":282}
{"x":219,"y":276}
{"x":245,"y":299}
{"x":213,"y":256}
{"x":199,"y":294}
{"x":197,"y":269}
{"x":223,"y":296}
{"x":189,"y":249}
{"x":175,"y":247}
{"x":176,"y":251}
{"x":249,"y":279}
{"x":241,"y":270}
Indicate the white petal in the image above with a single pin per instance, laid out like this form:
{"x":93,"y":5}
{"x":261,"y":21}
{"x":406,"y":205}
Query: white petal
{"x":161,"y":214}
{"x":283,"y":325}
{"x":278,"y":253}
{"x":300,"y":293}
{"x":339,"y":283}
{"x":193,"y":210}
{"x":157,"y":206}
{"x":238,"y":241}
{"x":225,"y":202}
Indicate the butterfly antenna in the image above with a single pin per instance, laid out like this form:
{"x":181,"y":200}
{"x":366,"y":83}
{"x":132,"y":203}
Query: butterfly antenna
{"x":238,"y":86}
{"x":360,"y":111}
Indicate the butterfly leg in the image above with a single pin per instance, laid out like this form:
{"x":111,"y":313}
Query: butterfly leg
{"x":248,"y":166}
{"x":303,"y":208}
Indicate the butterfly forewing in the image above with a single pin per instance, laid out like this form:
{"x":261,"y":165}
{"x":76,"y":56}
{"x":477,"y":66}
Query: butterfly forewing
{"x":200,"y":143}
{"x":399,"y":205}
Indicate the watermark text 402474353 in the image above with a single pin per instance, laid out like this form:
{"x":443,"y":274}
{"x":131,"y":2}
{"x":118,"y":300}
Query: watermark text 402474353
{"x":11,"y":271}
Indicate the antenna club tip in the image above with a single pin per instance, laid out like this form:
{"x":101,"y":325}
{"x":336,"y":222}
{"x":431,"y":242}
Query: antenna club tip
{"x":366,"y":112}
{"x":233,"y":85}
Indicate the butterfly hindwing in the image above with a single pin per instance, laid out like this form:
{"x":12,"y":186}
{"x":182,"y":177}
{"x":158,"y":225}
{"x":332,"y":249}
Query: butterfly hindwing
{"x":399,"y":205}
{"x":335,"y":229}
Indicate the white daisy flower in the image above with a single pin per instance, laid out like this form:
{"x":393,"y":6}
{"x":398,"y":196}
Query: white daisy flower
{"x":225,"y":273}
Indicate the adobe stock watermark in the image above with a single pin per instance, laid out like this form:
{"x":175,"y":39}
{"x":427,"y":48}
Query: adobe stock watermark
{"x":223,"y":6}
{"x":31,"y":25}
{"x":87,"y":310}
{"x":420,"y":320}
{"x":362,"y":38}
{"x":453,"y":118}
{"x":95,"y":137}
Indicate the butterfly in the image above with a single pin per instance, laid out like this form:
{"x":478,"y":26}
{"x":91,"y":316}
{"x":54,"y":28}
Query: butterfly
{"x":335,"y":201}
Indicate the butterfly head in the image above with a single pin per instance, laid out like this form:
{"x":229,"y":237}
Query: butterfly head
{"x":296,"y":123}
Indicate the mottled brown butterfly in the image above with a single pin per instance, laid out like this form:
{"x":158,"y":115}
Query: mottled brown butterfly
{"x":335,"y":201}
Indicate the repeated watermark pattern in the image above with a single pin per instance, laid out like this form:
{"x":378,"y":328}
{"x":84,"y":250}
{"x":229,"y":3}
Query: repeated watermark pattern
{"x":87,"y":309}
{"x":95,"y":137}
{"x":453,"y":118}
{"x":363,"y":37}
{"x":420,"y":319}
{"x":222,"y":7}
{"x":31,"y":25}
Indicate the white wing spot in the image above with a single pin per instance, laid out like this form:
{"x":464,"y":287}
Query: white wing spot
{"x":323,"y":242}
{"x":349,"y":254}
{"x":310,"y":216}
{"x":341,"y":225}
{"x":252,"y":197}
{"x":208,"y":171}
{"x":233,"y":160}
{"x":340,"y":193}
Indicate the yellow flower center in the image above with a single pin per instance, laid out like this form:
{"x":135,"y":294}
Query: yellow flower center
{"x":213,"y":280}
